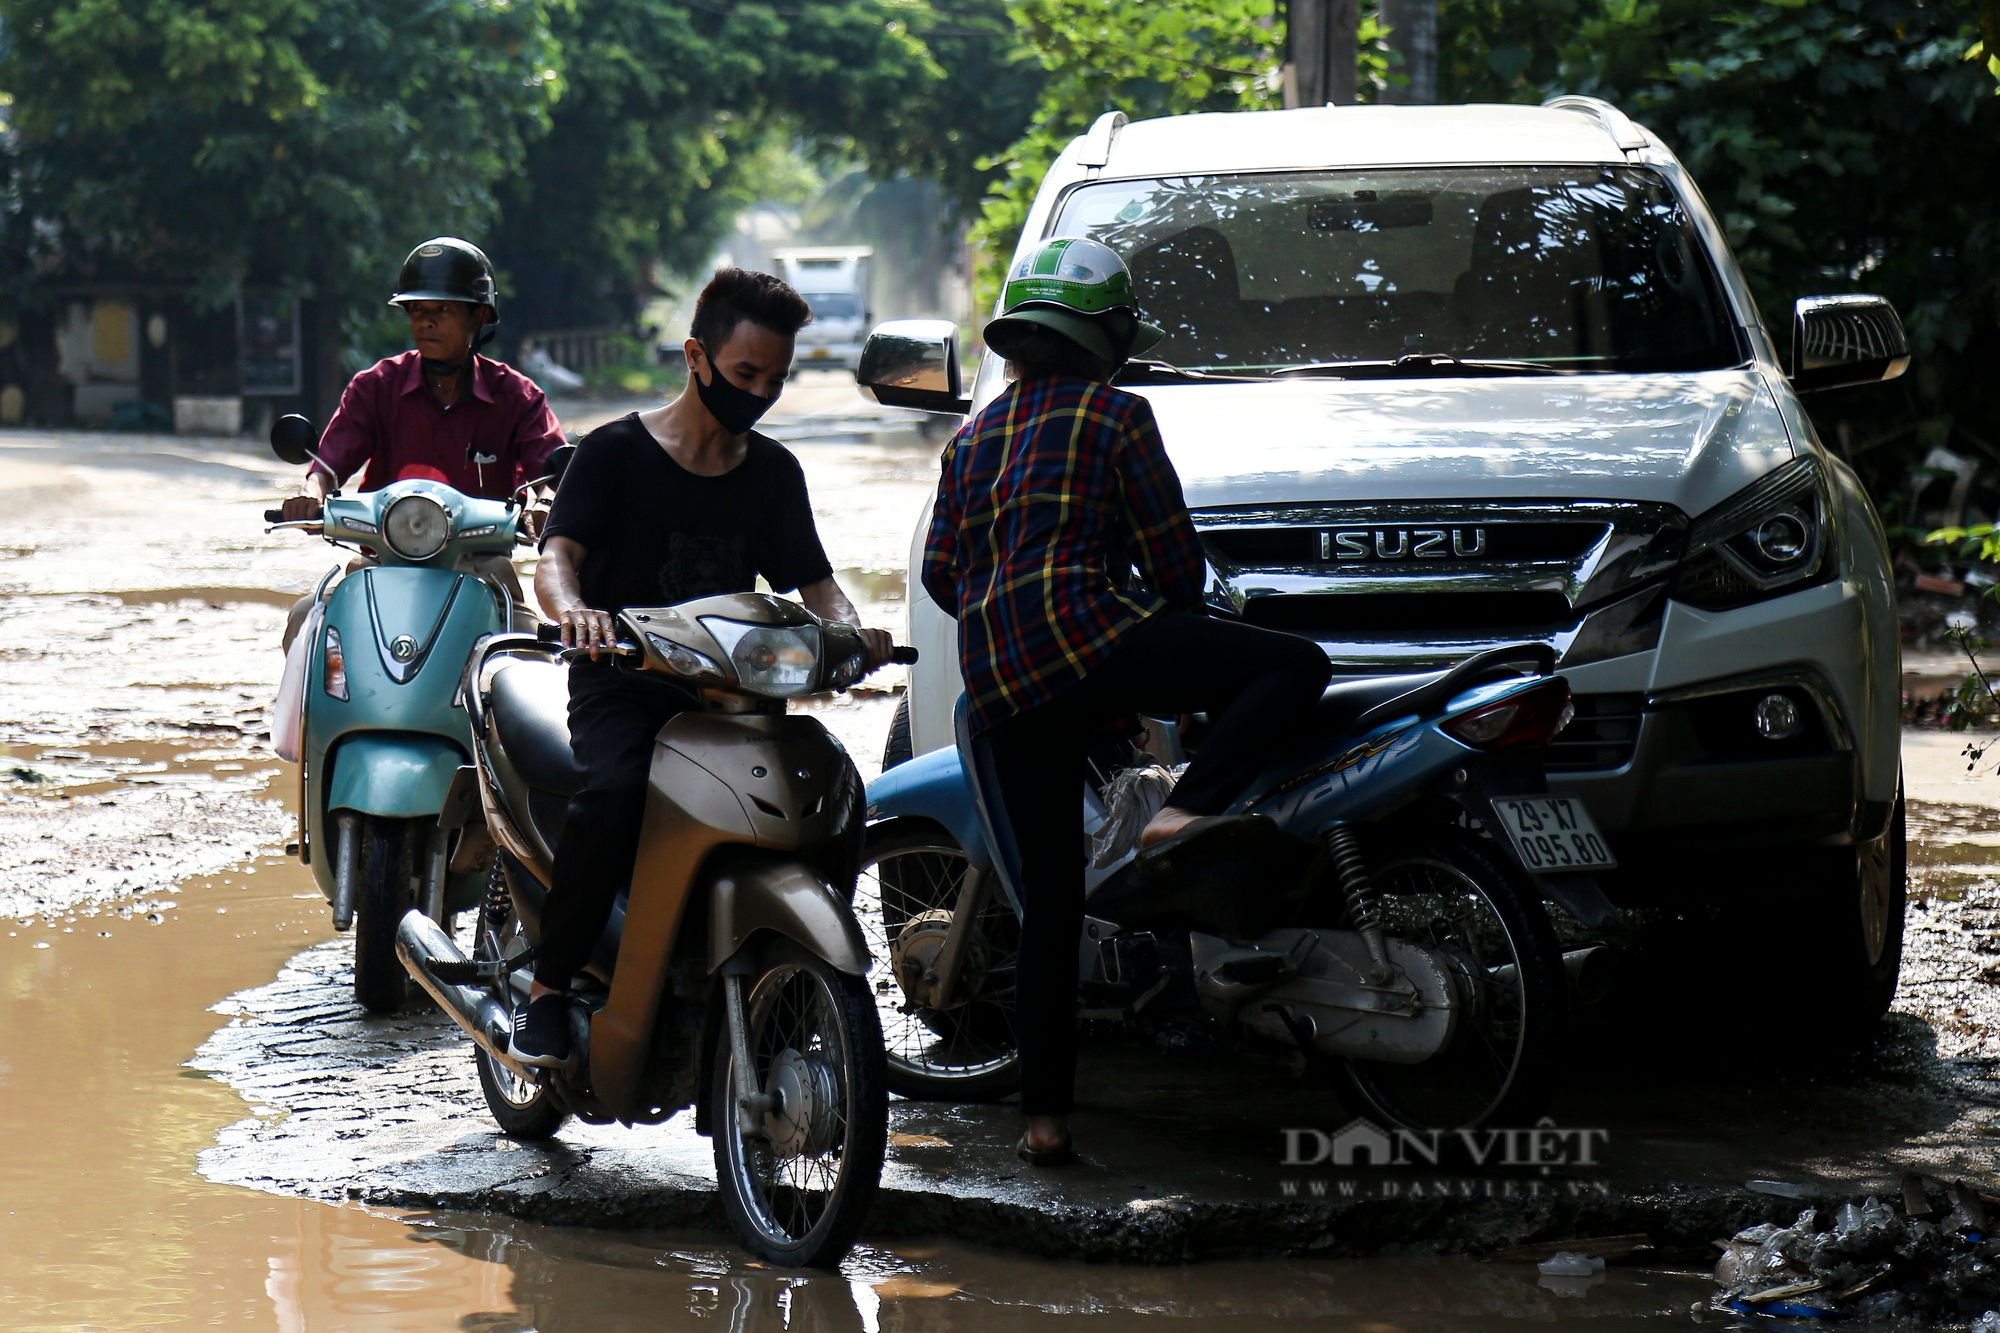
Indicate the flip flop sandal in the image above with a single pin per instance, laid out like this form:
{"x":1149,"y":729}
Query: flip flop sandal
{"x":1208,"y":838}
{"x":1044,"y":1156}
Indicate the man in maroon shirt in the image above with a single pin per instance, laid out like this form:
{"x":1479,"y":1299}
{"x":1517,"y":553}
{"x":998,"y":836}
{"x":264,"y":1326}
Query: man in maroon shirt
{"x":440,"y":411}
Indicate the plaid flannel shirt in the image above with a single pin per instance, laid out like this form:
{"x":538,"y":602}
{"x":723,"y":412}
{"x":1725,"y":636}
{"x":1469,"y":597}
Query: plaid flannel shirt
{"x":1051,"y":497}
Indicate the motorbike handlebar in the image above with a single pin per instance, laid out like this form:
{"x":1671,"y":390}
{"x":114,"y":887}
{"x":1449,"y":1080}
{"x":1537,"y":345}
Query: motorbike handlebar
{"x":903,"y":656}
{"x":616,"y":650}
{"x":274,"y":516}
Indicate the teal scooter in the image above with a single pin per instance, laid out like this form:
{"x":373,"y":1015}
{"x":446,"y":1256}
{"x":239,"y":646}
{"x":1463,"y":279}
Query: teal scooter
{"x":383,"y":730}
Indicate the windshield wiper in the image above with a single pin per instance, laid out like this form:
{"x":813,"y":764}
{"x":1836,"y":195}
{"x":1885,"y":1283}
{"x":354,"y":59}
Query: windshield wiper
{"x":1416,"y":363}
{"x":1146,"y":371}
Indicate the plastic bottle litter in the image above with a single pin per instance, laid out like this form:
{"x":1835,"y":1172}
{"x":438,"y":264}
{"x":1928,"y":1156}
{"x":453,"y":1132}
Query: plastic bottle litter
{"x":1871,"y":1260}
{"x":1568,"y":1263}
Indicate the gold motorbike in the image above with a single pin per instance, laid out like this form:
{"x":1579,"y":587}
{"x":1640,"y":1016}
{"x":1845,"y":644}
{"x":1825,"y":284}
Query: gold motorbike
{"x":731,"y":976}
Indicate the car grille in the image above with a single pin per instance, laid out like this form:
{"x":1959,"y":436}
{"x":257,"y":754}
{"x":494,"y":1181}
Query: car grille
{"x":1416,"y":615}
{"x":1602,"y":735}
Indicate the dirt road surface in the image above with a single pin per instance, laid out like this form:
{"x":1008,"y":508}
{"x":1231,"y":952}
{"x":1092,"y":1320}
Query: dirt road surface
{"x":330,"y":1170}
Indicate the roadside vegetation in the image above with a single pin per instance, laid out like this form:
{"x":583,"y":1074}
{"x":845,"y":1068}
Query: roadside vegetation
{"x":601,"y":148}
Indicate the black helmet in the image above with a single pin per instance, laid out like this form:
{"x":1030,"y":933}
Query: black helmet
{"x":445,"y":268}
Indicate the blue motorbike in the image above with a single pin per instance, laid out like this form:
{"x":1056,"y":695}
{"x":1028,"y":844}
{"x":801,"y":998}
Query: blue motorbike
{"x":383,"y":730}
{"x":1383,"y":914}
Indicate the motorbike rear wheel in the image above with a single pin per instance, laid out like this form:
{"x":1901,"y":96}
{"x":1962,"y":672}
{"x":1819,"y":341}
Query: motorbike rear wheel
{"x":388,"y":889}
{"x":797,"y":1189}
{"x":523,"y":1109}
{"x":965,"y":1053}
{"x":1459,"y":896}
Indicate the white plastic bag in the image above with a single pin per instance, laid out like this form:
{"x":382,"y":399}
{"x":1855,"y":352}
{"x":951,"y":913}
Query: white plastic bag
{"x":288,"y":714}
{"x":1131,"y":800}
{"x":1568,"y":1263}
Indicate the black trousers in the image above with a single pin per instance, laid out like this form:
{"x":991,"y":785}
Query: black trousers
{"x":1253,"y":683}
{"x":612,"y":722}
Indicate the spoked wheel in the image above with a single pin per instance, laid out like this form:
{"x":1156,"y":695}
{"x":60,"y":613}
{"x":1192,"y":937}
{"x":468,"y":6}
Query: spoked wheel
{"x":910,"y":879}
{"x":522,"y":1108}
{"x":1458,"y":898}
{"x":387,"y":890}
{"x":797,"y":1184}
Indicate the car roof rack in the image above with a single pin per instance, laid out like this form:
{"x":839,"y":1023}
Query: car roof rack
{"x":1096,"y":149}
{"x":1616,"y":123}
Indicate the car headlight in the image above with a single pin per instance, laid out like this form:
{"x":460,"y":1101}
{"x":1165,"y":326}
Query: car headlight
{"x":686,"y":661}
{"x":416,"y":527}
{"x":1769,"y":540}
{"x":779,"y":660}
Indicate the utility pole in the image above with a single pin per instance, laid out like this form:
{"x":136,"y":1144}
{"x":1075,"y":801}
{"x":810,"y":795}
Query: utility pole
{"x":1320,"y":40}
{"x":1413,"y":34}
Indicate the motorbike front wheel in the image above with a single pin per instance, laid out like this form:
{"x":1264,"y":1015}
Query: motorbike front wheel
{"x":1457,"y":895}
{"x":910,"y":877}
{"x":388,"y":889}
{"x":797,"y":1186}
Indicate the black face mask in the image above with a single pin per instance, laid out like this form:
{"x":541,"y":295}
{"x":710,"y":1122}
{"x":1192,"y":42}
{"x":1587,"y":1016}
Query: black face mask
{"x":736,"y":409}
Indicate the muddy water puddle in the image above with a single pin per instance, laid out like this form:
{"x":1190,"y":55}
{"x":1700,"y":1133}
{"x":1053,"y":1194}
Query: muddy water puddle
{"x":107,"y":1225}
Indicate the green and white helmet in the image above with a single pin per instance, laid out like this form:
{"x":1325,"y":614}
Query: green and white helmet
{"x":1079,"y":288}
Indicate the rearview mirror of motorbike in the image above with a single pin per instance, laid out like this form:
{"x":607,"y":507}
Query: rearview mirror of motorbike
{"x":293,"y":438}
{"x":559,"y":462}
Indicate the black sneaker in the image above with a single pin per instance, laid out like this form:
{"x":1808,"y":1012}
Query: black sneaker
{"x":541,"y":1033}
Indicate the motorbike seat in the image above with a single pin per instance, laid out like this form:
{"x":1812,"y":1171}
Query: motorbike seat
{"x":1345,"y":701}
{"x":528,"y":703}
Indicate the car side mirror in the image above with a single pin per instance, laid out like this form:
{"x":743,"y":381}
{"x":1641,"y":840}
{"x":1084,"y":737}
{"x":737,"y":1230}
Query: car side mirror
{"x":1839,"y":341}
{"x":293,"y":438}
{"x":914,"y":363}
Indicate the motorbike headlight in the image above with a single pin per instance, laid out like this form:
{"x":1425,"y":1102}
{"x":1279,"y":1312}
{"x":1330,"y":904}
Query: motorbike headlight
{"x":416,"y":527}
{"x":686,"y":661}
{"x":779,"y":660}
{"x":1769,"y":540}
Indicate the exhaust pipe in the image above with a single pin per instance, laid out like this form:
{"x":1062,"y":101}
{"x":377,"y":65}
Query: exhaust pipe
{"x":1590,"y":972}
{"x":422,"y":944}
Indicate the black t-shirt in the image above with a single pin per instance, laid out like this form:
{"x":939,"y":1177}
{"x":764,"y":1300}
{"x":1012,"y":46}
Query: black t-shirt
{"x":654,"y":533}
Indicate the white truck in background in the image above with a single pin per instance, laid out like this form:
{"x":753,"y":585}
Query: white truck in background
{"x":834,"y":281}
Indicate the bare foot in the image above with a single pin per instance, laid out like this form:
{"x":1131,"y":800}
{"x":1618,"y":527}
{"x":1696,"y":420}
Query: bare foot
{"x":1171,"y":820}
{"x":1047,"y":1132}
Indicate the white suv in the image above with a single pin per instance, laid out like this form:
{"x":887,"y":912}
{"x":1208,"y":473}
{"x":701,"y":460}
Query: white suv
{"x":1441,"y":378}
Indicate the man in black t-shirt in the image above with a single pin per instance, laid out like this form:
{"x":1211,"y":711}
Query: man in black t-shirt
{"x":659,"y":507}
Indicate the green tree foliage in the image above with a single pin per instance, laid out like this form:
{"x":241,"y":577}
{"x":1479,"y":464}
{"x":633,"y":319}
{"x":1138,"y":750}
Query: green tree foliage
{"x":669,"y":107}
{"x":1160,"y":58}
{"x":991,"y":87}
{"x":1846,"y":145}
{"x":268,"y":141}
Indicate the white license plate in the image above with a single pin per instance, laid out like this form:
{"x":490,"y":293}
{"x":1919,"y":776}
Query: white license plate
{"x":1552,"y":834}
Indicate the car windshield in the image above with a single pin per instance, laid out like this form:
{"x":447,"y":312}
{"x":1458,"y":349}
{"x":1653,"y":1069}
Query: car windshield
{"x":1427,"y":271}
{"x":834,"y":305}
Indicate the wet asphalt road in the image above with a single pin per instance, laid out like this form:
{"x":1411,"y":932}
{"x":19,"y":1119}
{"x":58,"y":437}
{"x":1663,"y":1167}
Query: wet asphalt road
{"x":139,"y":605}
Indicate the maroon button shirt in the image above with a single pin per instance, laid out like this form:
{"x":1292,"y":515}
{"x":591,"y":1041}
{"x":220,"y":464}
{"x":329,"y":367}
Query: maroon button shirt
{"x":498,"y":434}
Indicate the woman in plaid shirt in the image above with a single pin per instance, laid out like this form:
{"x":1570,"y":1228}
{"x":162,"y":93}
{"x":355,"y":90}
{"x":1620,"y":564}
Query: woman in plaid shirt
{"x":1052,"y":497}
